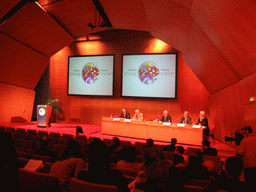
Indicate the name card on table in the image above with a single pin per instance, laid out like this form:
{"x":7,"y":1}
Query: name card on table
{"x":167,"y":123}
{"x":180,"y":125}
{"x":127,"y":120}
{"x":116,"y":119}
{"x":197,"y":126}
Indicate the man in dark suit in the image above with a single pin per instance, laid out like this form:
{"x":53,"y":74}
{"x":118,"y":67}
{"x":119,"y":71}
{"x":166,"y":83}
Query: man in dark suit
{"x":185,"y":119}
{"x":166,"y":117}
{"x":125,"y":114}
{"x":203,"y":121}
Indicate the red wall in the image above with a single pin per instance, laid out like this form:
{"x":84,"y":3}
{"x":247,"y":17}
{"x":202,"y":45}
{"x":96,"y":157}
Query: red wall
{"x":231,"y":108}
{"x":191,"y":94}
{"x":16,"y":103}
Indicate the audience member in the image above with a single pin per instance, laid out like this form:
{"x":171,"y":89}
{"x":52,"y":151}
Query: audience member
{"x":69,"y":164}
{"x":128,"y":159}
{"x":195,"y":170}
{"x":206,"y":150}
{"x":151,"y":149}
{"x":9,"y":163}
{"x":229,"y":179}
{"x":171,"y":147}
{"x":246,"y":150}
{"x":98,"y":169}
{"x":114,"y":150}
{"x":45,"y":150}
{"x":180,"y":150}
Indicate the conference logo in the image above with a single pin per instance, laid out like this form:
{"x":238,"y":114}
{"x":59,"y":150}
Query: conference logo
{"x":90,"y":73}
{"x":41,"y":111}
{"x":148,"y":72}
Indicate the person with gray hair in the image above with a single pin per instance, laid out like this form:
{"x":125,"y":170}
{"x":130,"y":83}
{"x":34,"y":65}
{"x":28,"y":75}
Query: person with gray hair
{"x":138,"y":115}
{"x":166,"y":117}
{"x":185,"y":118}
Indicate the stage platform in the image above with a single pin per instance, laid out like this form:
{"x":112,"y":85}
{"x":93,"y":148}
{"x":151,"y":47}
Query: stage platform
{"x":91,"y":130}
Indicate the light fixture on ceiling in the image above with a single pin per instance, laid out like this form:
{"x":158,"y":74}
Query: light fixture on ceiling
{"x":99,"y":21}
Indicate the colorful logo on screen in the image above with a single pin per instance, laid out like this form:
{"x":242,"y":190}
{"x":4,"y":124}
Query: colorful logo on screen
{"x":148,"y":72}
{"x":90,"y":73}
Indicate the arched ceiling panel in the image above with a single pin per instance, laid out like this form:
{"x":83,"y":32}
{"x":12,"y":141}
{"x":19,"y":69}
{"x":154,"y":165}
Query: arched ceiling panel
{"x":229,"y":25}
{"x":169,"y":21}
{"x":20,"y":65}
{"x":73,"y":15}
{"x":6,"y":6}
{"x":207,"y":62}
{"x":126,"y":14}
{"x":32,"y":26}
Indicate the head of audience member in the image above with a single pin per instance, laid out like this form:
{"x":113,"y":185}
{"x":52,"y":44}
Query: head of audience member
{"x":149,"y":142}
{"x":9,"y":157}
{"x":116,"y":141}
{"x":97,"y":155}
{"x":44,"y":142}
{"x":73,"y":149}
{"x":234,"y":166}
{"x":205,"y":144}
{"x":209,"y":165}
{"x":166,"y":113}
{"x":202,"y":114}
{"x":128,"y":154}
{"x":194,"y":162}
{"x":186,"y":114}
{"x":177,"y":159}
{"x":180,"y":150}
{"x":123,"y":110}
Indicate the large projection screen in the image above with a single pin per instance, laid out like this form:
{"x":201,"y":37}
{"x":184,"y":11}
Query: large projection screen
{"x":91,"y":75}
{"x":149,"y":75}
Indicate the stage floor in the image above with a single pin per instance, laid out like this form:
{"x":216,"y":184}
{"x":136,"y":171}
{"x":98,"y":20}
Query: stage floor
{"x":91,"y":130}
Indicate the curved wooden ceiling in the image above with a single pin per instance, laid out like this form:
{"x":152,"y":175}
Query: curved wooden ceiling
{"x":217,"y":38}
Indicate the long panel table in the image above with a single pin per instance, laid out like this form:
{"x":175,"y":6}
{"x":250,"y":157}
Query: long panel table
{"x":155,"y":130}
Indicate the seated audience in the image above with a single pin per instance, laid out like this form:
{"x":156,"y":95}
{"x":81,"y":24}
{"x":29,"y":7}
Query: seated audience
{"x":171,"y":147}
{"x":9,"y":163}
{"x":128,"y":159}
{"x":150,"y":148}
{"x":69,"y":164}
{"x":229,"y":179}
{"x":180,"y":150}
{"x":98,"y":169}
{"x":114,"y":150}
{"x":206,"y":150}
{"x":44,"y":149}
{"x":195,"y":170}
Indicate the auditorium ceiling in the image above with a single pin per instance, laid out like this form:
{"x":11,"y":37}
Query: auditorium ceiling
{"x":217,"y":38}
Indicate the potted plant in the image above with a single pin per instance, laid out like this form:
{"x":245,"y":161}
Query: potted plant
{"x":57,"y":111}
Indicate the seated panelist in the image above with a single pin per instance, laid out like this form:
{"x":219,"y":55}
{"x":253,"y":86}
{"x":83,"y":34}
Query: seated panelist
{"x":138,"y":115}
{"x":166,"y":117}
{"x":125,"y":114}
{"x":185,"y":118}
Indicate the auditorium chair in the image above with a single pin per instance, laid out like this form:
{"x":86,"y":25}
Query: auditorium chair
{"x":108,"y":142}
{"x":198,"y":183}
{"x":76,"y":185}
{"x":58,"y":148}
{"x":2,"y":128}
{"x":42,"y":134}
{"x":67,"y":136}
{"x":28,"y":144}
{"x":125,"y":143}
{"x":40,"y":157}
{"x":62,"y":141}
{"x":22,"y":162}
{"x":11,"y":130}
{"x":192,"y":151}
{"x":190,"y":188}
{"x":37,"y":182}
{"x":139,"y":146}
{"x":21,"y":132}
{"x":22,"y":154}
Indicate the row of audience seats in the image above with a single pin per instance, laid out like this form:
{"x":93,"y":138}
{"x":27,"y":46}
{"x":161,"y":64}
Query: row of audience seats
{"x":27,"y":141}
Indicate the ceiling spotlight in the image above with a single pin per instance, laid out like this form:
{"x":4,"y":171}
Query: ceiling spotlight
{"x":90,"y":25}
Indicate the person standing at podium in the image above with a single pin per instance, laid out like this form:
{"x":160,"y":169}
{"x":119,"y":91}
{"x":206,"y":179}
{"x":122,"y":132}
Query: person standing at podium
{"x":203,"y":121}
{"x":138,"y":115}
{"x":185,"y":119}
{"x":125,"y":114}
{"x":166,"y":117}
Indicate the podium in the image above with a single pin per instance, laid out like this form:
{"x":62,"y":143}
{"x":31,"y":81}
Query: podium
{"x":43,"y":115}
